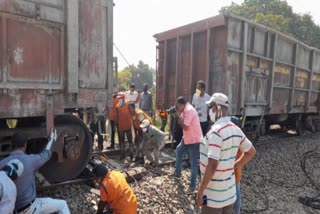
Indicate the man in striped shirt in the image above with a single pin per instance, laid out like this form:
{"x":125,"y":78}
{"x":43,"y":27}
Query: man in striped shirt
{"x":217,"y":159}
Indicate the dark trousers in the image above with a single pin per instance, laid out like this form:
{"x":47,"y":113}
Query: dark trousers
{"x":122,"y":134}
{"x":113,"y":131}
{"x":163,"y":124}
{"x":204,"y":127}
{"x":98,"y":127}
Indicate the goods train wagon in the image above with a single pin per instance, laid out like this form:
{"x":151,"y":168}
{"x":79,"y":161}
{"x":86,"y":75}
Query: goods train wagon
{"x":268,"y":76}
{"x":55,"y":58}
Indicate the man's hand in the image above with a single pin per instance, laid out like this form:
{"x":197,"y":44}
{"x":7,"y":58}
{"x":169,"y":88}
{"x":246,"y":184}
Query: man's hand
{"x":53,"y":135}
{"x":52,"y":140}
{"x":199,"y":200}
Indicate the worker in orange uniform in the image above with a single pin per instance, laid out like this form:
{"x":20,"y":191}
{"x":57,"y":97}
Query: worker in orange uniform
{"x":238,"y":173}
{"x":123,"y":120}
{"x":137,"y":116}
{"x":112,"y":119}
{"x":163,"y":114}
{"x":114,"y":192}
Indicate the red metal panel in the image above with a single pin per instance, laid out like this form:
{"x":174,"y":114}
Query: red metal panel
{"x":34,"y":53}
{"x":1,"y":52}
{"x":185,"y":68}
{"x":171,"y":72}
{"x":92,"y":44}
{"x":235,"y":83}
{"x":219,"y":61}
{"x":160,"y":75}
{"x":200,"y":57}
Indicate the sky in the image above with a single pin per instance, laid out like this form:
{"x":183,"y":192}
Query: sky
{"x":136,"y":21}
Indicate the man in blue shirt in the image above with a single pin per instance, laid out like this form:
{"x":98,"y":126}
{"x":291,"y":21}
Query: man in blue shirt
{"x":27,"y":202}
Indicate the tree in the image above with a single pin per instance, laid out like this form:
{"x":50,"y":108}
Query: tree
{"x":279,"y":15}
{"x":139,"y":75}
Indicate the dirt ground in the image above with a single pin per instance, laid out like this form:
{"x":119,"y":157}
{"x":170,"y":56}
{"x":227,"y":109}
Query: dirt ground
{"x":272,"y":182}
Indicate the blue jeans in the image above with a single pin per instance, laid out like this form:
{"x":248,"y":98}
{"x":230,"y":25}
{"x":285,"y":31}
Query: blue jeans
{"x":237,"y":204}
{"x":193,"y":151}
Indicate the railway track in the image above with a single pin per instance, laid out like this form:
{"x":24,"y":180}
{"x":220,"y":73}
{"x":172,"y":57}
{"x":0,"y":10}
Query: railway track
{"x":274,"y":174}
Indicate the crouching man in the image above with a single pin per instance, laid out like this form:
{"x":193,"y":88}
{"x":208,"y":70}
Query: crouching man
{"x":27,"y":202}
{"x":8,"y":191}
{"x":114,"y":192}
{"x":152,"y":141}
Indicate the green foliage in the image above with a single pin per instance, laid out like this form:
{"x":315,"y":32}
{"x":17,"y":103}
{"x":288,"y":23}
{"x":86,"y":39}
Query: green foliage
{"x":279,"y":15}
{"x":139,"y":75}
{"x":124,"y":78}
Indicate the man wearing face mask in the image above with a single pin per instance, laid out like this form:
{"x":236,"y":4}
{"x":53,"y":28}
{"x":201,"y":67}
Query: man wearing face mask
{"x":192,"y":136}
{"x":124,"y":125}
{"x":218,"y":159}
{"x":152,"y":141}
{"x":199,"y":102}
{"x":137,"y":116}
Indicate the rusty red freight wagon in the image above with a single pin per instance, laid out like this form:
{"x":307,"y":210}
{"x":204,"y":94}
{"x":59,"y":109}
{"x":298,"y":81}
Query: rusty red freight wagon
{"x":268,"y":76}
{"x":55,"y":58}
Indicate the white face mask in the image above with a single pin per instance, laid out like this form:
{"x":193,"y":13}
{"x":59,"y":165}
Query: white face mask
{"x":121,"y":102}
{"x":212,"y":116}
{"x":145,"y":129}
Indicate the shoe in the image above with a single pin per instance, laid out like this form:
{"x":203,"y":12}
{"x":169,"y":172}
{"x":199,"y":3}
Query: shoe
{"x":175,"y":176}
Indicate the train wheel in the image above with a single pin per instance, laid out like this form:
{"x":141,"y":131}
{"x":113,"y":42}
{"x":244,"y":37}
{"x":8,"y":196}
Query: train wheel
{"x":71,"y":151}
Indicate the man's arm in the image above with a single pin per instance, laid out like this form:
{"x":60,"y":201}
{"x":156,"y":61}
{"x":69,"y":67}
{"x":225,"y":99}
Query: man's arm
{"x":101,"y":207}
{"x":40,"y":159}
{"x":208,"y":174}
{"x":246,"y":157}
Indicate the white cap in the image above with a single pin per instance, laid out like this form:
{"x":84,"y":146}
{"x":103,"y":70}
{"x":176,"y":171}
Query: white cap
{"x":17,"y":166}
{"x":219,"y":98}
{"x":145,"y":123}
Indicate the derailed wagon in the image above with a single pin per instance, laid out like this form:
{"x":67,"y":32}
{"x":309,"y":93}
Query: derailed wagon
{"x":268,"y":76}
{"x":55,"y":59}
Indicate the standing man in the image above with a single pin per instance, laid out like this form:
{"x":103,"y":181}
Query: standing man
{"x":112,"y":119}
{"x":199,"y":102}
{"x":27,"y":202}
{"x":152,"y":141}
{"x":114,"y":192}
{"x":8,"y":191}
{"x":132,"y":95}
{"x":97,"y":126}
{"x":137,"y":116}
{"x":163,"y":114}
{"x":189,"y":121}
{"x":145,"y":103}
{"x":124,"y":125}
{"x":218,"y":159}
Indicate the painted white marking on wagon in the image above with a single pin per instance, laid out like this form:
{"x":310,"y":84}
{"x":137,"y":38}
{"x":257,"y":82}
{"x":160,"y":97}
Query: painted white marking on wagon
{"x":18,"y":56}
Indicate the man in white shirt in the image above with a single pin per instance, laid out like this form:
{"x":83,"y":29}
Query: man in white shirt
{"x":217,"y":191}
{"x":8,"y":191}
{"x":132,"y":95}
{"x":199,"y":100}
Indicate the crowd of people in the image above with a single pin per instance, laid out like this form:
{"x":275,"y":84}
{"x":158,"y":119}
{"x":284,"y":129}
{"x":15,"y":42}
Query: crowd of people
{"x":210,"y":137}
